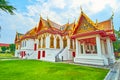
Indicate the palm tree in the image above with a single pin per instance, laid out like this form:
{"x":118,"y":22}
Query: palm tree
{"x":4,"y":5}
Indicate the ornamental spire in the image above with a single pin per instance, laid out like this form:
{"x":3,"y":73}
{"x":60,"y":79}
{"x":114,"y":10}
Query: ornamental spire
{"x":81,"y":9}
{"x":112,"y":15}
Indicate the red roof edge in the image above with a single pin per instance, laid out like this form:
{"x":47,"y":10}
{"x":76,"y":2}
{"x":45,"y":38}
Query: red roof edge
{"x":4,"y":44}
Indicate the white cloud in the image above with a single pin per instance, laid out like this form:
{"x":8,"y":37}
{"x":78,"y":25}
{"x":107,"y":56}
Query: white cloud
{"x":94,"y":6}
{"x":45,"y":8}
{"x":17,"y":21}
{"x":58,"y":3}
{"x":58,"y":11}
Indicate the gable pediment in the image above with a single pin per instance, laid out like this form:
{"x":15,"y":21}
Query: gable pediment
{"x":84,"y":25}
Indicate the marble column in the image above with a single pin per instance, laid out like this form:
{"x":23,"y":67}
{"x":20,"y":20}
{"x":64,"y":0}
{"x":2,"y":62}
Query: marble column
{"x":98,"y":45}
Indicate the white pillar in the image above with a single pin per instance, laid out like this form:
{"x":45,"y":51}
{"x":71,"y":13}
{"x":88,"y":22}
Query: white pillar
{"x":112,"y":52}
{"x":83,"y":48}
{"x":77,"y":47}
{"x":103,"y":47}
{"x":98,"y":45}
{"x":61,"y":42}
{"x":68,"y":43}
{"x":109,"y":48}
{"x":47,"y":42}
{"x":54,"y":42}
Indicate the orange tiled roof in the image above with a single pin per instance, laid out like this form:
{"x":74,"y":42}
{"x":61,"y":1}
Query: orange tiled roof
{"x":105,"y":25}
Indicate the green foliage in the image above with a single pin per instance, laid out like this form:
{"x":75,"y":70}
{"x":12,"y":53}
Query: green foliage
{"x":3,"y":48}
{"x":4,"y":5}
{"x":40,"y":70}
{"x":12,"y":47}
{"x":116,"y":44}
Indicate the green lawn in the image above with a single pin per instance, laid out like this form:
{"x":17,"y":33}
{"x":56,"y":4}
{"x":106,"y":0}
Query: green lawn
{"x":40,"y":70}
{"x":6,"y":56}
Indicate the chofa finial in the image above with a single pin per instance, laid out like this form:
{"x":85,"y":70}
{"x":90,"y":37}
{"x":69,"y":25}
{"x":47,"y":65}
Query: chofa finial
{"x":112,"y":15}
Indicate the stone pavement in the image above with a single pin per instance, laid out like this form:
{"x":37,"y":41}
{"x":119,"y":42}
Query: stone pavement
{"x":114,"y":71}
{"x":119,"y":68}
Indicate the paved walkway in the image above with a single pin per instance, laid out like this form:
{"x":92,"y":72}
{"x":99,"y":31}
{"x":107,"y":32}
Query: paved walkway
{"x":119,"y":68}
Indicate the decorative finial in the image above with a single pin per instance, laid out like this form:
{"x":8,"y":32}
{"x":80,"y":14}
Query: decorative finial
{"x":81,"y":9}
{"x":112,"y":15}
{"x":40,"y":16}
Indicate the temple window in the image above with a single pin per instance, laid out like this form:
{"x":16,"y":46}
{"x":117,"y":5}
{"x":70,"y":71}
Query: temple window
{"x":57,"y":42}
{"x":52,"y":42}
{"x":71,"y":44}
{"x":74,"y":44}
{"x":39,"y":46}
{"x":43,"y":46}
{"x":64,"y":42}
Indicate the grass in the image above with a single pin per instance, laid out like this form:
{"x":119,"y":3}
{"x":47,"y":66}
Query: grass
{"x":6,"y":56}
{"x":40,"y":70}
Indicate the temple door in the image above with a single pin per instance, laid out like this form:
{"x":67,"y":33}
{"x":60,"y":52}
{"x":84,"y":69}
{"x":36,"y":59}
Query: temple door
{"x":39,"y":54}
{"x":73,"y":54}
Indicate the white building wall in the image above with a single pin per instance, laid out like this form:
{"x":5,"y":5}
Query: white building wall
{"x":30,"y":44}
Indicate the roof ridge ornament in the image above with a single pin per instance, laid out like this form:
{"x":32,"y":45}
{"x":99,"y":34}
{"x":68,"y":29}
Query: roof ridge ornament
{"x":112,"y":15}
{"x":40,"y":16}
{"x":81,"y":9}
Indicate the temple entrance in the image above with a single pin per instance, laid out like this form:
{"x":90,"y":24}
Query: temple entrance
{"x":39,"y":54}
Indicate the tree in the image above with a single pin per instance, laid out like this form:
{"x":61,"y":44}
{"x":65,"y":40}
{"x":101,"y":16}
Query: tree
{"x":3,"y":48}
{"x":116,"y":44}
{"x":4,"y":5}
{"x":12,"y":47}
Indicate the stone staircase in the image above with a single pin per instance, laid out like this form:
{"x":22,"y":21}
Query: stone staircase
{"x":57,"y":59}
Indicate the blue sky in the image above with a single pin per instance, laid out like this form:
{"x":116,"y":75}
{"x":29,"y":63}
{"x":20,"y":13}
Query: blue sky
{"x":28,"y":13}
